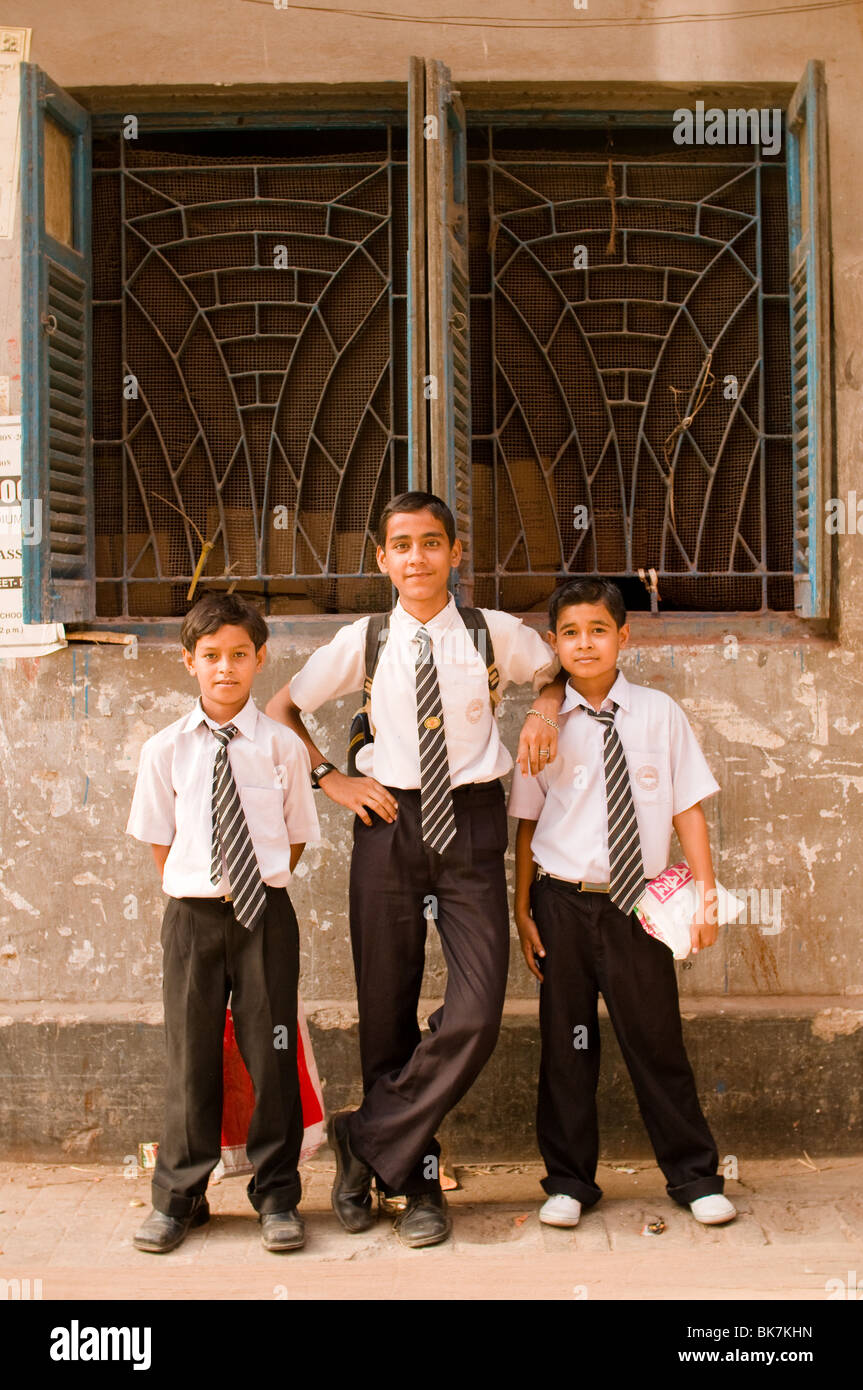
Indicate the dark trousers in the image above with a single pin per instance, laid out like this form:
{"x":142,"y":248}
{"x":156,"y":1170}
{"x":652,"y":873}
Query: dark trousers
{"x":592,"y":946}
{"x":411,"y":1081}
{"x":207,"y":956}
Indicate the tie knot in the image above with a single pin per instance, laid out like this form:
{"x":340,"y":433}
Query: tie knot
{"x":224,"y":736}
{"x":423,"y":637}
{"x":605,"y":716}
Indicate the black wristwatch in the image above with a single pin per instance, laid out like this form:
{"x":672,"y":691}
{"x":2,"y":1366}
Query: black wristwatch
{"x":321,"y":771}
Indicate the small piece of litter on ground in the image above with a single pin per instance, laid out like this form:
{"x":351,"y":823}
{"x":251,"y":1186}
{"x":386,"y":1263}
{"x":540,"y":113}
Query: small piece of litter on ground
{"x":520,"y":1220}
{"x":448,"y":1184}
{"x":653,"y":1228}
{"x":807,"y":1162}
{"x":135,"y":1203}
{"x":624,"y":1170}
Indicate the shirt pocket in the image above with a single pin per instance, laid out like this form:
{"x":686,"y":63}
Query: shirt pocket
{"x":467,"y":708}
{"x":648,"y":776}
{"x":264,"y":810}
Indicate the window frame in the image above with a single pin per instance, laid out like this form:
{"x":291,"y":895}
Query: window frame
{"x":482,"y":102}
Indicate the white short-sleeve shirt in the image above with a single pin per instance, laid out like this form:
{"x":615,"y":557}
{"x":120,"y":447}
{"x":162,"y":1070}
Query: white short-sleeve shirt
{"x":667,"y":772}
{"x":474,"y":747}
{"x":172,"y":803}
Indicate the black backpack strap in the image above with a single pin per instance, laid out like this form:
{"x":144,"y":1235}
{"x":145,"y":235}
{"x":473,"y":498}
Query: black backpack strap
{"x":376,"y":636}
{"x":375,"y":639}
{"x":474,"y":621}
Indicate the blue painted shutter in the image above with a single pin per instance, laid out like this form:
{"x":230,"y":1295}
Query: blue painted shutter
{"x":55,"y":292}
{"x":448,"y":309}
{"x":811,"y":328}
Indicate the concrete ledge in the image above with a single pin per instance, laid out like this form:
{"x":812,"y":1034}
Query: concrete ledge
{"x":776,"y":1076}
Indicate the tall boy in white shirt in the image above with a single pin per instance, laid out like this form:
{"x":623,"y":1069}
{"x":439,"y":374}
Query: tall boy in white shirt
{"x":593,"y":828}
{"x":430,"y":832}
{"x":224,"y":799}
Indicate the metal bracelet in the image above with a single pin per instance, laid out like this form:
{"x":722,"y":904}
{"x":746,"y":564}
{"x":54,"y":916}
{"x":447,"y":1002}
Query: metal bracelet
{"x":545,"y":717}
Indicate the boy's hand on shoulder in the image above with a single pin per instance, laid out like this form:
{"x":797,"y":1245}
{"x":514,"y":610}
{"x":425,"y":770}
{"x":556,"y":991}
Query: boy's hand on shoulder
{"x":360,"y":795}
{"x":529,"y":937}
{"x":537,"y":742}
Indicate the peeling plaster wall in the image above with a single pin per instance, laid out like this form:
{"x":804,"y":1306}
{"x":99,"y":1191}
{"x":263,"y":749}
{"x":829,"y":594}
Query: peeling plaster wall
{"x":80,"y":907}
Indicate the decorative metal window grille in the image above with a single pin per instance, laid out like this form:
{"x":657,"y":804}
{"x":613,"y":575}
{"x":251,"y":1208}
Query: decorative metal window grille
{"x":572,"y":367}
{"x":249,"y":364}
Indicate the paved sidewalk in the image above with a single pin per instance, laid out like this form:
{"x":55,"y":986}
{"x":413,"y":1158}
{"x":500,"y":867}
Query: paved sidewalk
{"x":798,"y":1228}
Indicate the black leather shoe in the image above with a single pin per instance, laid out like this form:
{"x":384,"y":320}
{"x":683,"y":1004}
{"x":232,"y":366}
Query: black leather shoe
{"x":283,"y":1230}
{"x":352,"y":1195}
{"x":161,"y":1233}
{"x":425,"y":1220}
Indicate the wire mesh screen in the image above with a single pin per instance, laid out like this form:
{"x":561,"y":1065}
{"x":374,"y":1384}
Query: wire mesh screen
{"x":604,"y":274}
{"x":249,"y":372}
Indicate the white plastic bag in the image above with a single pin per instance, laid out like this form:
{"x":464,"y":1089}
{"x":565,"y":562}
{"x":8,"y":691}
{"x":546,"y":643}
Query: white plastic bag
{"x":668,"y":905}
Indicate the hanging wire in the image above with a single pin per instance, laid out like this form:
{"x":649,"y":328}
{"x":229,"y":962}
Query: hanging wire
{"x":704,"y":384}
{"x":611,"y":190}
{"x":539,"y":25}
{"x":206,"y":547}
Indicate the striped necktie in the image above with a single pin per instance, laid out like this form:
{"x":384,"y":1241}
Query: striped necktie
{"x":231,"y":834}
{"x":438,"y":816}
{"x":626,"y":877}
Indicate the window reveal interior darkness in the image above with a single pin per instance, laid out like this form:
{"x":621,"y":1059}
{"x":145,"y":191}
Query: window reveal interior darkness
{"x":577,"y":335}
{"x":249,"y":364}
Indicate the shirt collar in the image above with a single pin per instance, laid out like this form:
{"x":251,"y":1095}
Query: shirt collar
{"x":439,"y":623}
{"x":245,"y":721}
{"x":620,"y":693}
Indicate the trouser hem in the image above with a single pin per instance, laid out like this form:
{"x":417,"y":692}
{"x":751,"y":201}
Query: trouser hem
{"x":572,"y":1187}
{"x":395,"y":1181}
{"x":699,"y":1187}
{"x":175,"y":1204}
{"x":279,"y":1199}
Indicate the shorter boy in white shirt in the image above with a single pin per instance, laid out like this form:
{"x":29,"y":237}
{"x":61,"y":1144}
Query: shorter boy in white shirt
{"x":224,"y":799}
{"x":592,"y":829}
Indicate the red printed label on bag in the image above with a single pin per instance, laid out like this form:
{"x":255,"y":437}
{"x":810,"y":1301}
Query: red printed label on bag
{"x":668,"y":882}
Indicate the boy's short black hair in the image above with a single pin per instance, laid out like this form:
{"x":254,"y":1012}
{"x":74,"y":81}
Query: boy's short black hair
{"x":217,"y":610}
{"x":587,"y":590}
{"x":417,"y":502}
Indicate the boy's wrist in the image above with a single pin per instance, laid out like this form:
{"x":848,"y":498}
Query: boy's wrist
{"x":321,"y":770}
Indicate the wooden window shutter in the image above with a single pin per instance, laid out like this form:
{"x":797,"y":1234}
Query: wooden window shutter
{"x":58,"y":583}
{"x":811,"y":329}
{"x":448,"y":310}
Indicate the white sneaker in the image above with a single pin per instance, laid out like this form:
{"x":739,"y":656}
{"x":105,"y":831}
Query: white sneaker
{"x":713,"y":1210}
{"x":560,"y":1210}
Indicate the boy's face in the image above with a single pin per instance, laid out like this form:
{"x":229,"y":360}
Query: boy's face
{"x":588,"y":640}
{"x":225,"y":664}
{"x":418,"y":556}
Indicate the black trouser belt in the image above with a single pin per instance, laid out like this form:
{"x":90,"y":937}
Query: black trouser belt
{"x":578,"y":883}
